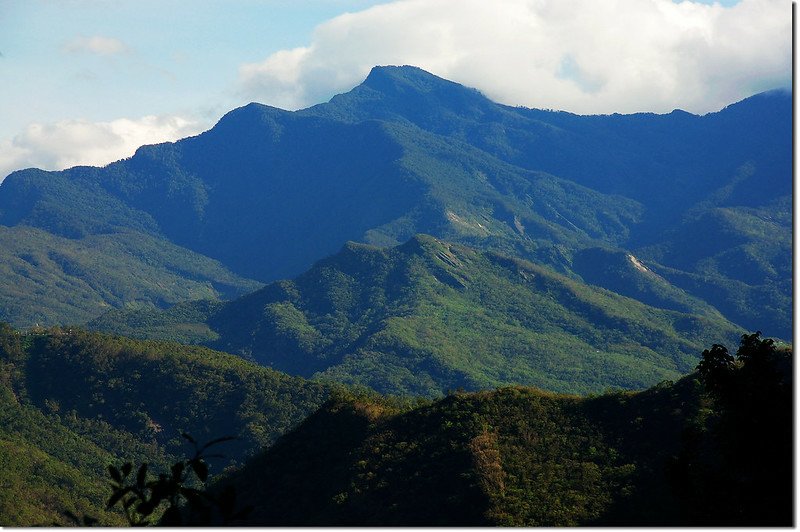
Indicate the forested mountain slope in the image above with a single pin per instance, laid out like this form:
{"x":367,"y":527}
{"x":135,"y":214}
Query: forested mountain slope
{"x":711,"y":449}
{"x":430,"y":316}
{"x":49,"y":279}
{"x":268,"y":192}
{"x":72,"y":403}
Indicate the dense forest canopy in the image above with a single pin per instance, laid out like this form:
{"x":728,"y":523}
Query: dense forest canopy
{"x":431,"y":316}
{"x":709,"y":449}
{"x":407,"y":306}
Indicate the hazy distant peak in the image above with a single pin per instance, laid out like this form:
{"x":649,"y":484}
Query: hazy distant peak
{"x":775,"y":100}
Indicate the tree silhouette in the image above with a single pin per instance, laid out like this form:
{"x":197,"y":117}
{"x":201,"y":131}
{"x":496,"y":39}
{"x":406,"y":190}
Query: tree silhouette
{"x":716,"y":368}
{"x":177,"y":498}
{"x":751,"y":433}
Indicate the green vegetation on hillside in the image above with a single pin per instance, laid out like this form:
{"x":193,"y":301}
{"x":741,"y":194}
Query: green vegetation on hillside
{"x":184,"y":322}
{"x":51,"y":461}
{"x":571,"y":253}
{"x":738,"y":259}
{"x":267,"y":192}
{"x":156,"y":390}
{"x":73,"y":402}
{"x":673,"y":455}
{"x":513,"y":457}
{"x":49,"y":279}
{"x":710,"y":449}
{"x":429,"y":316}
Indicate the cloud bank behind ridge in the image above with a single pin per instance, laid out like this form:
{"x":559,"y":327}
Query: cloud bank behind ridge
{"x":583,"y":56}
{"x":80,"y":142}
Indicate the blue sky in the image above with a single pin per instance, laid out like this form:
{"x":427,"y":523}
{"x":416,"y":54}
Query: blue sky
{"x":86,"y":81}
{"x":178,"y":55}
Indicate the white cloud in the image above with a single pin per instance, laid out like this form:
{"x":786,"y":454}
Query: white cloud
{"x":96,"y":44}
{"x":80,"y":142}
{"x":585,"y":56}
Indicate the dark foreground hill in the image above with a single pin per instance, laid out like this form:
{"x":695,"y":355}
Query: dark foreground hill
{"x":674,"y":455}
{"x":711,"y":449}
{"x":72,"y":403}
{"x":704,"y":202}
{"x":430,"y":316}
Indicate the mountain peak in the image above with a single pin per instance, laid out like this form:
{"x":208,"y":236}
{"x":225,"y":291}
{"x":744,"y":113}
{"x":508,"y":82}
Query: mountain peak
{"x":382,"y":77}
{"x":406,"y":80}
{"x":251,"y":113}
{"x":775,"y":101}
{"x":410,"y":93}
{"x":418,"y":244}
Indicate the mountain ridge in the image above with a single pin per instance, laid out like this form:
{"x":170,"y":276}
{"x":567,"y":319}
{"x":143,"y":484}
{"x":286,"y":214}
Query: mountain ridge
{"x":267,"y":192}
{"x":429,"y":316}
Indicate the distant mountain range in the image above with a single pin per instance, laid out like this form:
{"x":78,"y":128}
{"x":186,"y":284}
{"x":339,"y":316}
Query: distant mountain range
{"x":700,"y":206}
{"x":703,"y":202}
